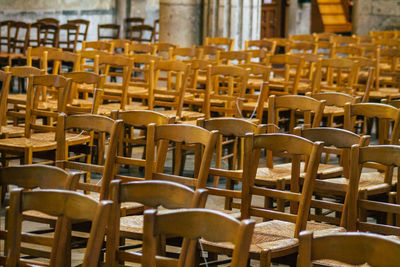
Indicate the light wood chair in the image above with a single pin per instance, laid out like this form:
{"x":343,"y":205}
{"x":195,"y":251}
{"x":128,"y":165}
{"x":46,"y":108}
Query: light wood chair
{"x":121,"y":46}
{"x":163,"y":50}
{"x":136,"y":120}
{"x":269,"y":45}
{"x":142,"y":48}
{"x":304,"y":38}
{"x":152,"y":194}
{"x":277,"y":237}
{"x":302,"y":48}
{"x":17,"y":102}
{"x":201,"y":222}
{"x":6,"y":130}
{"x":98,"y":45}
{"x":185,"y":53}
{"x":31,"y":177}
{"x":386,"y":208}
{"x":231,"y":133}
{"x":339,"y":40}
{"x":63,"y":205}
{"x":108,"y":31}
{"x":282,"y":66}
{"x":37,"y":56}
{"x":226,"y":86}
{"x":39,"y":134}
{"x":348,"y":248}
{"x":224,"y":42}
{"x":232,"y":57}
{"x":63,"y":61}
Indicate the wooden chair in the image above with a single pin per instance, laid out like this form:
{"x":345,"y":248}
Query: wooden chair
{"x":121,"y":46}
{"x":31,"y":177}
{"x":334,"y":106}
{"x":209,"y":51}
{"x":61,"y":204}
{"x":136,"y":120}
{"x":115,"y":91}
{"x":19,"y":37}
{"x":17,"y":102}
{"x":5,"y":43}
{"x":77,"y":105}
{"x":386,"y":209}
{"x":128,"y":22}
{"x":281,"y":65}
{"x":349,"y":248}
{"x":163,"y":50}
{"x":83,"y":28}
{"x":237,"y":57}
{"x":185,"y":53}
{"x":53,"y":21}
{"x":312,"y":38}
{"x":302,"y":47}
{"x":63,"y":61}
{"x":346,"y":51}
{"x":231,"y":133}
{"x":49,"y":34}
{"x":171,"y":97}
{"x":6,"y":130}
{"x":340,"y":40}
{"x":281,"y":44}
{"x":201,"y":221}
{"x":142,"y":48}
{"x":387,"y":72}
{"x":141,"y":33}
{"x":108,"y":31}
{"x":224,"y":42}
{"x":98,"y":45}
{"x":278,"y":236}
{"x":152,"y":194}
{"x":340,"y":75}
{"x":37,"y":56}
{"x":44,"y":139}
{"x":226,"y":86}
{"x":69,"y":34}
{"x":87,"y":125}
{"x":270,"y":46}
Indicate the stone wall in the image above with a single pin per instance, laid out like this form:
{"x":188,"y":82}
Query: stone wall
{"x":376,"y":15}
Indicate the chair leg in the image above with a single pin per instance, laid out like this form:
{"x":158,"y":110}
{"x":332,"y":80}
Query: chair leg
{"x":265,"y":258}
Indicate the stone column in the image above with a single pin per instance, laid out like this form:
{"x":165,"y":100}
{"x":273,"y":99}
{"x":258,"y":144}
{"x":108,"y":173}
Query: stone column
{"x":180,"y":22}
{"x":238,"y":19}
{"x":121,"y":7}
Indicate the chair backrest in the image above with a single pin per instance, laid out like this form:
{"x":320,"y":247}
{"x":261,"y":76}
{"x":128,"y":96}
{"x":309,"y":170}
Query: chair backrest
{"x":224,"y":42}
{"x":83,"y":28}
{"x":300,"y":200}
{"x":88,"y":78}
{"x":88,"y":125}
{"x":53,"y":21}
{"x":340,"y":40}
{"x":171,"y":96}
{"x":98,"y":45}
{"x":194,"y":224}
{"x":388,"y":156}
{"x":136,"y":119}
{"x":185,"y":134}
{"x":49,"y":34}
{"x":348,"y":248}
{"x":69,"y":34}
{"x":340,"y":141}
{"x":62,"y":57}
{"x":122,"y":63}
{"x":209,"y":51}
{"x":311,"y":108}
{"x":5,"y":36}
{"x":227,"y":85}
{"x":90,"y":59}
{"x":142,"y":48}
{"x":141,"y":33}
{"x":384,"y":114}
{"x":282,"y":65}
{"x":59,"y":88}
{"x":156,"y":36}
{"x":346,"y":51}
{"x":128,"y":22}
{"x":108,"y":31}
{"x":303,"y":38}
{"x":260,"y":44}
{"x":302,"y":47}
{"x":5,"y":79}
{"x":62,"y":204}
{"x":335,"y":78}
{"x":234,"y":130}
{"x":152,"y":194}
{"x":186,"y":53}
{"x":121,"y":46}
{"x":19,"y":36}
{"x":39,"y":53}
{"x":237,"y":57}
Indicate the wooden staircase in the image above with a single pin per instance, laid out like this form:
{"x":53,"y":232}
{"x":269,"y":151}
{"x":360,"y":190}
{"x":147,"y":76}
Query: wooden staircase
{"x":330,"y":16}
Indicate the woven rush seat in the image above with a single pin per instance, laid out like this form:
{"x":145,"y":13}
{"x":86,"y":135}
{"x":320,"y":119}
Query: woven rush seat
{"x":372,"y":181}
{"x":126,"y":207}
{"x":276,"y":236}
{"x":268,"y":177}
{"x":107,"y":108}
{"x":384,"y":93}
{"x":333,"y":110}
{"x":17,"y":99}
{"x":12,"y":131}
